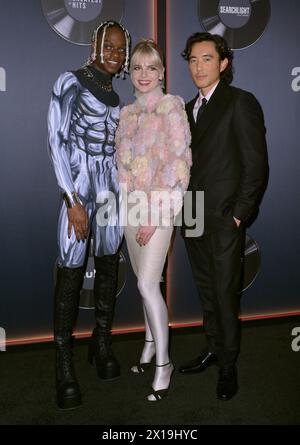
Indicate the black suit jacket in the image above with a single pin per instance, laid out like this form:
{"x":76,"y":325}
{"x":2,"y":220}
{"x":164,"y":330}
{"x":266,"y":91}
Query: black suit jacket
{"x":229,"y":156}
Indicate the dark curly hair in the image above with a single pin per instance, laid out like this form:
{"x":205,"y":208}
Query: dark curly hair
{"x":222,"y":49}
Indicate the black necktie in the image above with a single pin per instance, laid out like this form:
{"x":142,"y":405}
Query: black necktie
{"x":201,"y":108}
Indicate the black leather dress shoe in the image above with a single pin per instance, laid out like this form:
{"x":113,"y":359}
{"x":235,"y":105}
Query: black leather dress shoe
{"x":227,"y":384}
{"x":199,"y":364}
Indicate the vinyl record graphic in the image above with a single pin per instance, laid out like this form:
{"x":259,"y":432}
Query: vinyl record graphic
{"x":240,"y":22}
{"x":75,"y":20}
{"x":251,"y":262}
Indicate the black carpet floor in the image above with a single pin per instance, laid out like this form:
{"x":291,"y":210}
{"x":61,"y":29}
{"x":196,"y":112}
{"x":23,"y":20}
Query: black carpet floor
{"x":269,"y":380}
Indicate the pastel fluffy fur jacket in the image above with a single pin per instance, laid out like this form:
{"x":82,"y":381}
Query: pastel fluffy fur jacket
{"x":153,"y":149}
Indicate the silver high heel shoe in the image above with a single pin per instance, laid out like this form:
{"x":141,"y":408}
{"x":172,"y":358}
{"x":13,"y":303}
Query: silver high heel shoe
{"x":141,"y":368}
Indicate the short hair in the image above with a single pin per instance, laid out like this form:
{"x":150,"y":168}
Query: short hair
{"x":222,"y":49}
{"x":147,"y":47}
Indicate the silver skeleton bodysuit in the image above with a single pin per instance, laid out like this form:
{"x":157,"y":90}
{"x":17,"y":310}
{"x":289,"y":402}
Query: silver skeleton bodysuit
{"x":81,"y":132}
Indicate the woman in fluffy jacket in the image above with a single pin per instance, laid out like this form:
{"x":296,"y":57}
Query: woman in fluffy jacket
{"x":154,"y":161}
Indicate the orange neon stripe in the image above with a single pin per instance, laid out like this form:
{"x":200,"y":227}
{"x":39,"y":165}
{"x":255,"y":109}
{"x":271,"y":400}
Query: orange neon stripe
{"x":155,"y":20}
{"x":47,"y":337}
{"x":128,"y":330}
{"x":243,"y":318}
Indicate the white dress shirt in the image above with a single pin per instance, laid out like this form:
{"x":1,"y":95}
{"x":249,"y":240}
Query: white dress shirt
{"x":199,"y":100}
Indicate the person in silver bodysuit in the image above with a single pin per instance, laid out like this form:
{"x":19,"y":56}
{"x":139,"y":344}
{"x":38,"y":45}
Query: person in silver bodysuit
{"x":82,"y":120}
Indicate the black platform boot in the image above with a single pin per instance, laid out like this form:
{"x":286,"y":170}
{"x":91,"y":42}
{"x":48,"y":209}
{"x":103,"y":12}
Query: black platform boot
{"x":67,"y":291}
{"x":105,"y":290}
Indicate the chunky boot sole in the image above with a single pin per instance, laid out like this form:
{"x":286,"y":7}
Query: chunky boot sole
{"x":71,"y":402}
{"x":108,"y":374}
{"x":103,"y":372}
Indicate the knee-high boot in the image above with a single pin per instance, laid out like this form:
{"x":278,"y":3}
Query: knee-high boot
{"x":105,"y":290}
{"x":67,"y":291}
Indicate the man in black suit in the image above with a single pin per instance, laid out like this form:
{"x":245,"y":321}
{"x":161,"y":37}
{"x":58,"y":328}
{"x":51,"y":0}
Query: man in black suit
{"x":230,"y":165}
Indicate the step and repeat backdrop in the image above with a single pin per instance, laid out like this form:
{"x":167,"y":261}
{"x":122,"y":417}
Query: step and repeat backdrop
{"x":41,"y":39}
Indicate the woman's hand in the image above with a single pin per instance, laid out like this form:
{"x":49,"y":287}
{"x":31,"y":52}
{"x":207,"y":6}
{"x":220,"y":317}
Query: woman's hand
{"x":77,"y":217}
{"x":144,"y":234}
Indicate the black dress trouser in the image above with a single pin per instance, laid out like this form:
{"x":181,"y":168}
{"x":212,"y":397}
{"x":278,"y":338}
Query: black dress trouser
{"x":216,"y":261}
